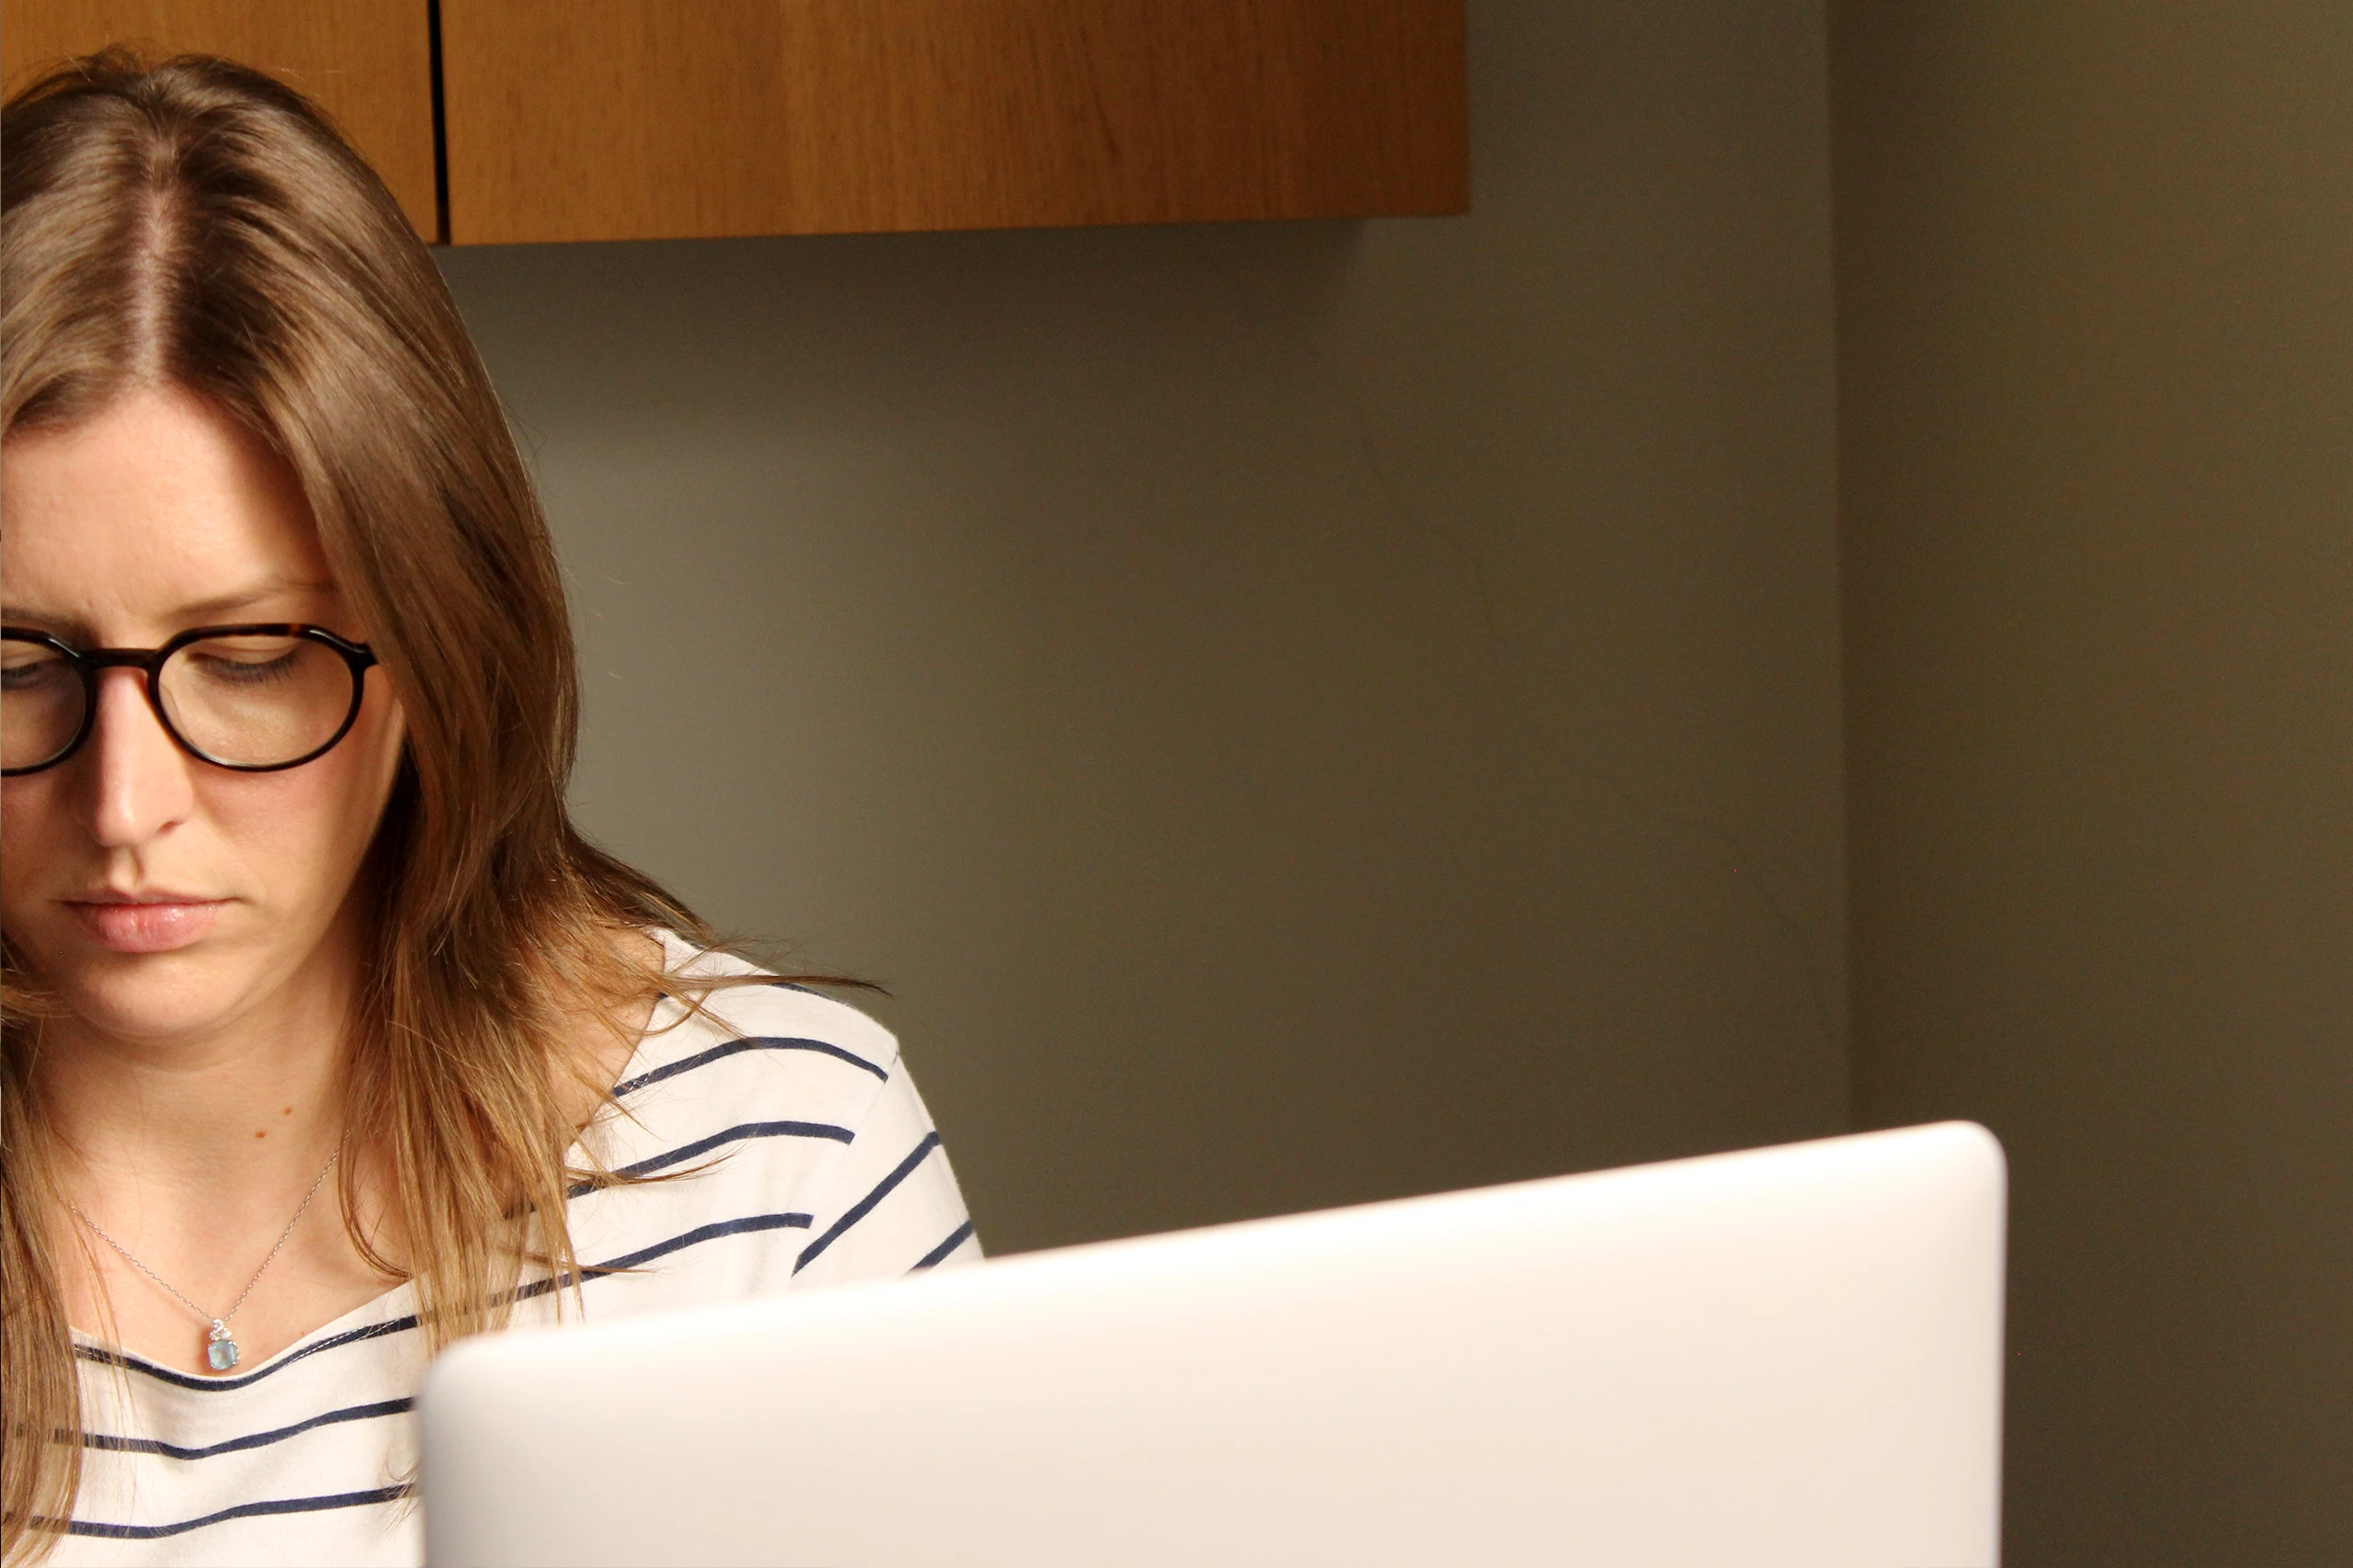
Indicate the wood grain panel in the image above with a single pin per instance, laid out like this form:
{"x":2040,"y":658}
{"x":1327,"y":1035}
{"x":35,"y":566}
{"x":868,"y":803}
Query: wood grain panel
{"x":368,"y":62}
{"x":575,"y":119}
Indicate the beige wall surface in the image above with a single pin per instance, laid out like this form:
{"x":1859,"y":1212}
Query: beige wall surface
{"x":1297,"y":713}
{"x":2096,"y":312}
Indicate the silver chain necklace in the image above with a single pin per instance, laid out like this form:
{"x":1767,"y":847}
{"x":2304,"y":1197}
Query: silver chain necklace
{"x":221,"y":1347}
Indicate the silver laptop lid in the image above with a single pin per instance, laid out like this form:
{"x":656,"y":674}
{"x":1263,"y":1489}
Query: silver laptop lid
{"x":1791,"y":1356}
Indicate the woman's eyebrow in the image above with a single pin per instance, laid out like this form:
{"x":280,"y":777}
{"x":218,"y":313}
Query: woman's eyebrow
{"x":194,"y":613}
{"x":68,"y":626}
{"x":229,"y":603}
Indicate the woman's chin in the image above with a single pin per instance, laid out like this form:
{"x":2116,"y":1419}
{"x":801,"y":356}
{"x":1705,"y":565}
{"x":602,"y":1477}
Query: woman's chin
{"x":156,"y":996}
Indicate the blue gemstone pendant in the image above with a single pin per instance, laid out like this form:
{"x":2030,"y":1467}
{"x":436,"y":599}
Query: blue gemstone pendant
{"x":223,"y":1351}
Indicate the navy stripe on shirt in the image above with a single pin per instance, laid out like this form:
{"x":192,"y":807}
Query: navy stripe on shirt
{"x":256,"y":1440}
{"x":686,"y":1151}
{"x":865,"y":1206}
{"x":214,"y":1385}
{"x":737,"y":1047}
{"x":749,"y":1130}
{"x":956,"y":1238}
{"x":242,"y":1511}
{"x":699,"y":1234}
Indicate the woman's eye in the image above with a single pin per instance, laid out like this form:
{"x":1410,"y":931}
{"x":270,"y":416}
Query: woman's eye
{"x":244,"y":662}
{"x":246,"y":671}
{"x":32,"y":674}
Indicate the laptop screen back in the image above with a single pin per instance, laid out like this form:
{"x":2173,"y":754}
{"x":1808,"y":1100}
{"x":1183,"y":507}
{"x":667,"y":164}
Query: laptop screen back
{"x":1785,"y":1357}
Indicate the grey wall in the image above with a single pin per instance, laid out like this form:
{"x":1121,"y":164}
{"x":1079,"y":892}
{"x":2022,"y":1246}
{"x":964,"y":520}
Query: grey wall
{"x":2096,"y":300}
{"x":1297,"y":713}
{"x":1302,"y":713}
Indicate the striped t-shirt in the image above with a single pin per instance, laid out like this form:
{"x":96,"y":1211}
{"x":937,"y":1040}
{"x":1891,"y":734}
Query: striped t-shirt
{"x":815,"y":1162}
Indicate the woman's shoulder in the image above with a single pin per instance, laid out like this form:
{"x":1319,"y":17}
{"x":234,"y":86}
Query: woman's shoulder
{"x":744,"y":1032}
{"x":790,"y":1144}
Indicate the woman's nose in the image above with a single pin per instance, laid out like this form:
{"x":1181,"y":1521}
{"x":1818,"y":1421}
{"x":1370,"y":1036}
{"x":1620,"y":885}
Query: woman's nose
{"x":139,"y":775}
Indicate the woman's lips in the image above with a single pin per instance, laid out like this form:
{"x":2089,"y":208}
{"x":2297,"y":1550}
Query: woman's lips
{"x":147,"y":927}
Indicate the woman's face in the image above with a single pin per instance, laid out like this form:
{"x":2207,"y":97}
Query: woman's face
{"x":160,"y":896}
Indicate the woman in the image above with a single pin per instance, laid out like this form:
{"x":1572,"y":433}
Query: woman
{"x":328,"y":1039}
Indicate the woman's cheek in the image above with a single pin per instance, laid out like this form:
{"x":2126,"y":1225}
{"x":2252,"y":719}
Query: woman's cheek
{"x":302,"y":834}
{"x":288,"y":831}
{"x":23,"y":802}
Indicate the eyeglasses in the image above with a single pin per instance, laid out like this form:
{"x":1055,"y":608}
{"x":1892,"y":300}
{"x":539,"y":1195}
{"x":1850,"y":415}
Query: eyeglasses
{"x":256,"y":699}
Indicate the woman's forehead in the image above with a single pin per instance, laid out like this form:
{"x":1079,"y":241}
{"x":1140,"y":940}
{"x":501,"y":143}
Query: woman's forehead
{"x":158,"y":512}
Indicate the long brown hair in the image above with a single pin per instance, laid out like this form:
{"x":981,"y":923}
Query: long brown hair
{"x":200,"y":225}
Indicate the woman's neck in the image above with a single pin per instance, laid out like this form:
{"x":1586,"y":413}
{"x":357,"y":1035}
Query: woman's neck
{"x":195,"y":1163}
{"x":203,"y":1117}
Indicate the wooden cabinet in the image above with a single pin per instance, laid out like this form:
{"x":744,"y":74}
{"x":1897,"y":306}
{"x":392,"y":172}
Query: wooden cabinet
{"x":652,"y":118}
{"x":368,"y":62}
{"x":585,"y":119}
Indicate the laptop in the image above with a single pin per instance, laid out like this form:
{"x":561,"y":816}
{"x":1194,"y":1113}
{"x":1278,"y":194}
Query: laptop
{"x":1789,"y":1356}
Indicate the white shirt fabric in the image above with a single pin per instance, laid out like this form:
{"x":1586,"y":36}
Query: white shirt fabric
{"x":814,"y":1161}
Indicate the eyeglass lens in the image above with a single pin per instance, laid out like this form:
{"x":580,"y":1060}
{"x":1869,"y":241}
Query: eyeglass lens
{"x":247,"y":701}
